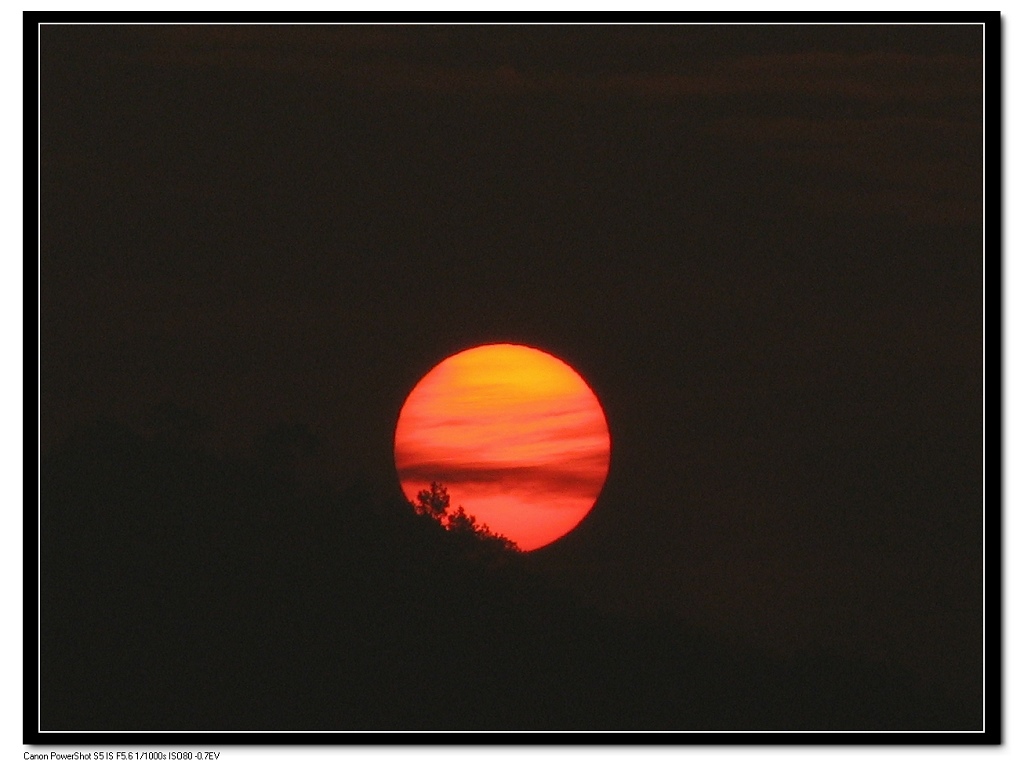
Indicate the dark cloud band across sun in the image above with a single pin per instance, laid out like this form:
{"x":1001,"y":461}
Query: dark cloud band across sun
{"x":578,"y":476}
{"x":515,"y":434}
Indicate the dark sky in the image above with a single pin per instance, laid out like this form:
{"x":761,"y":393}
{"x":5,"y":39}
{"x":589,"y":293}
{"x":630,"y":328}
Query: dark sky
{"x":762,"y":247}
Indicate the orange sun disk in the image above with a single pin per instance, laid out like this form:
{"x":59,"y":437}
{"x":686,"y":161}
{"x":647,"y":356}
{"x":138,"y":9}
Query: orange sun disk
{"x":515,"y":434}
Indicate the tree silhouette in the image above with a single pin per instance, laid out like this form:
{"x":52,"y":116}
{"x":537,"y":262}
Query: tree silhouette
{"x":434,"y":502}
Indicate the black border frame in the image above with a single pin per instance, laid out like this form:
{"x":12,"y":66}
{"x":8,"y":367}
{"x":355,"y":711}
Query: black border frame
{"x":994,"y":693}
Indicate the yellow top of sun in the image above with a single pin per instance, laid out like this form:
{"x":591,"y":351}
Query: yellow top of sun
{"x":511,"y":368}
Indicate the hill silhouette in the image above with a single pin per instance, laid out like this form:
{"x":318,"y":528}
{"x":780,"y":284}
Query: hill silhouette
{"x":186,"y":591}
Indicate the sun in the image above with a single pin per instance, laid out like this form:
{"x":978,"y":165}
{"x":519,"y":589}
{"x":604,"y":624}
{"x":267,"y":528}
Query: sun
{"x":516,"y":435}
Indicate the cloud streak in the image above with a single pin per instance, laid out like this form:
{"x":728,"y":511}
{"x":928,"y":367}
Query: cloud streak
{"x":492,"y":61}
{"x":902,"y":124}
{"x":574,"y":475}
